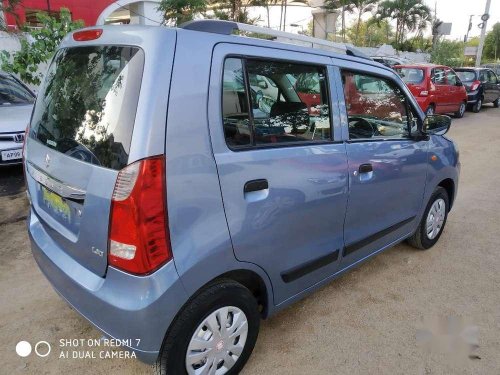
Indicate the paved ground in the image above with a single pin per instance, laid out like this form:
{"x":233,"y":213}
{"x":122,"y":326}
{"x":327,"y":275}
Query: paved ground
{"x":366,"y":322}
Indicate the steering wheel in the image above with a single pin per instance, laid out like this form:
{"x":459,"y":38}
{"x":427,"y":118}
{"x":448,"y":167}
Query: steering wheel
{"x":361,"y":128}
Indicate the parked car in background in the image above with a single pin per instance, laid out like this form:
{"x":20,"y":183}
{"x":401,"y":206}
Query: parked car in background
{"x":186,"y":217}
{"x":482,"y":87}
{"x":437,"y":88}
{"x":16,"y":103}
{"x":494,"y":67}
{"x":389,"y":61}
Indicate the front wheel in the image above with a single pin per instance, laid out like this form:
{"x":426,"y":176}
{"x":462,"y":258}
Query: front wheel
{"x":496,"y":103}
{"x":433,"y":221}
{"x":429,"y":111}
{"x":215,"y":332}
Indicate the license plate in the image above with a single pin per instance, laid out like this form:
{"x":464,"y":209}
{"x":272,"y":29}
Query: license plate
{"x":55,"y":203}
{"x":12,"y":154}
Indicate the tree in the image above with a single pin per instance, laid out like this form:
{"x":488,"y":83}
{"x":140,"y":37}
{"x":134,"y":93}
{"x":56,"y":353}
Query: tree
{"x":176,"y":12}
{"x":346,"y":6}
{"x":447,"y":52}
{"x":410,"y":15}
{"x":492,"y":43}
{"x":39,"y":46}
{"x":362,"y":6}
{"x":370,"y":33}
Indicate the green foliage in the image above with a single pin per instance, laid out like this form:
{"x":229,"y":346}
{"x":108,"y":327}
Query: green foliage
{"x":370,"y":33}
{"x":417,"y":44}
{"x":492,"y":43}
{"x":410,"y":15}
{"x":177,"y":12}
{"x":447,"y":52}
{"x":39,"y":47}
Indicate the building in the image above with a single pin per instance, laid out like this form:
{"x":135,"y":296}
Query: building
{"x":92,"y":12}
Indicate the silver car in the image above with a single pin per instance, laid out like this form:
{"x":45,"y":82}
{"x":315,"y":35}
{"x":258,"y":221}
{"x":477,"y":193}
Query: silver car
{"x":16,"y":104}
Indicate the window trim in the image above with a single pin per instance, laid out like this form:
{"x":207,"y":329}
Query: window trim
{"x":253,"y":145}
{"x":408,"y":106}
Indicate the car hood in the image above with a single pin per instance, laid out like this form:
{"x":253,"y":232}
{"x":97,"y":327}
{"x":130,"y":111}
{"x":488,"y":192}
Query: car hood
{"x":14,"y":118}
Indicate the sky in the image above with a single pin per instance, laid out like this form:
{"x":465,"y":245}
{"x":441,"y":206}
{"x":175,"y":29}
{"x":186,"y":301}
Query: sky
{"x":455,"y":11}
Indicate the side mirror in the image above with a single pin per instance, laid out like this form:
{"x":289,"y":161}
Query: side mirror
{"x":263,"y":85}
{"x":436,"y":124}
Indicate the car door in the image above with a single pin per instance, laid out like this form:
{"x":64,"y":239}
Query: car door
{"x":494,"y":85}
{"x":282,"y":172}
{"x":441,"y":91}
{"x":455,"y":97}
{"x":483,"y":77}
{"x":387,"y":169}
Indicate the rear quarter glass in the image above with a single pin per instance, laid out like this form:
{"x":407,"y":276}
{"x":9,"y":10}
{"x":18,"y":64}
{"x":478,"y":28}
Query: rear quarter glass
{"x":87,"y":104}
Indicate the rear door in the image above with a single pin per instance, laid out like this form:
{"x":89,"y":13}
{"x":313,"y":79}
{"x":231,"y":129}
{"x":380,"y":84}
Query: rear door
{"x":455,"y":92}
{"x":442,"y":92}
{"x":283,"y":175}
{"x":81,"y":135}
{"x":493,"y":86}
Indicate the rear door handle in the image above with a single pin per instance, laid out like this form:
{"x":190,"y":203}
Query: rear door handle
{"x":256,"y":185}
{"x":365,"y":168}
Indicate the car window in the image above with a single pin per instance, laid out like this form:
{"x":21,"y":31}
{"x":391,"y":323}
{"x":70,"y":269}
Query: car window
{"x":235,"y":105}
{"x":288,"y":103}
{"x":466,"y":75}
{"x":378,"y":113}
{"x":492,"y":78}
{"x":12,"y":92}
{"x":438,"y":76}
{"x":483,"y":77}
{"x":87,"y":105}
{"x":411,"y":75}
{"x":451,"y":77}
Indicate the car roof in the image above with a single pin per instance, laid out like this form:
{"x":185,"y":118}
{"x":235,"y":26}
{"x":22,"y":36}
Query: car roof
{"x":471,"y":68}
{"x":113,"y":34}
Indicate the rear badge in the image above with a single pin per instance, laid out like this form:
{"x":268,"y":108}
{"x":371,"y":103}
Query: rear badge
{"x":96,"y":251}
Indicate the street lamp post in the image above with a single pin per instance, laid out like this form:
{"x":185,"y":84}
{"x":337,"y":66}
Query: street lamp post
{"x":484,"y":18}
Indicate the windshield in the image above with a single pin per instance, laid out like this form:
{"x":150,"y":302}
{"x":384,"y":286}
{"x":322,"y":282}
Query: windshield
{"x":411,"y":75}
{"x":87,"y":105}
{"x":466,"y":75}
{"x":13,"y":92}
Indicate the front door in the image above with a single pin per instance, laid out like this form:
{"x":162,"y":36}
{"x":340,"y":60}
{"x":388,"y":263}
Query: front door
{"x":387,"y":169}
{"x":455,"y":91}
{"x":441,"y":90}
{"x":283,"y":177}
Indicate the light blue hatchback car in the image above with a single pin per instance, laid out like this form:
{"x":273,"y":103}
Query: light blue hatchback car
{"x":186,"y":182}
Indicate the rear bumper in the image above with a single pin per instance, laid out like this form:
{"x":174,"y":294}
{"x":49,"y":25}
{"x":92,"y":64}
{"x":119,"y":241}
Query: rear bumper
{"x":121,"y":305}
{"x":472,"y":97}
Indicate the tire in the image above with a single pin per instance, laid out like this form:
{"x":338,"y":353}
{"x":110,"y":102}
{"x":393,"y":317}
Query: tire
{"x":224,"y":294}
{"x":430,"y":110}
{"x":496,"y":103}
{"x":421,"y":239}
{"x":461,"y":111}
{"x":478,"y":105}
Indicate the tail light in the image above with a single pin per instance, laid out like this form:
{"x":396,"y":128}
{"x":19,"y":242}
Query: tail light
{"x":86,"y":35}
{"x":475,"y":85}
{"x":139,"y":240}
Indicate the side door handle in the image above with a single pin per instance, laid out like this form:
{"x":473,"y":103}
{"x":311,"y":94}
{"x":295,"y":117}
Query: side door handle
{"x":365,"y":168}
{"x":255,"y":185}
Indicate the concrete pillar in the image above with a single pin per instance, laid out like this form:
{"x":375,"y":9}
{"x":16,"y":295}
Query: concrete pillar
{"x":145,"y":13}
{"x":324,"y":23}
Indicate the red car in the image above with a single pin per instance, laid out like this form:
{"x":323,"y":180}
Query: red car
{"x":437,"y":88}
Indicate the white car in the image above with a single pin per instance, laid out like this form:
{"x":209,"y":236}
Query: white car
{"x":16,"y":103}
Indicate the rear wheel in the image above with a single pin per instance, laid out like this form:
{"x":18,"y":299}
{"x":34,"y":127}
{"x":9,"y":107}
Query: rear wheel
{"x":478,"y":105}
{"x":214,"y":334}
{"x":496,"y":103}
{"x":430,"y":110}
{"x":433,"y":221}
{"x":461,"y":110}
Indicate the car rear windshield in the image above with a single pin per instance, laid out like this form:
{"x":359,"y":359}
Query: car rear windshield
{"x":12,"y":92}
{"x":411,"y":75}
{"x":466,"y":75}
{"x":86,"y":107}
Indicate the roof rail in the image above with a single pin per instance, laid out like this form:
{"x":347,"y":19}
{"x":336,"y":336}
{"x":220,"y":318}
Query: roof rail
{"x":229,"y":27}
